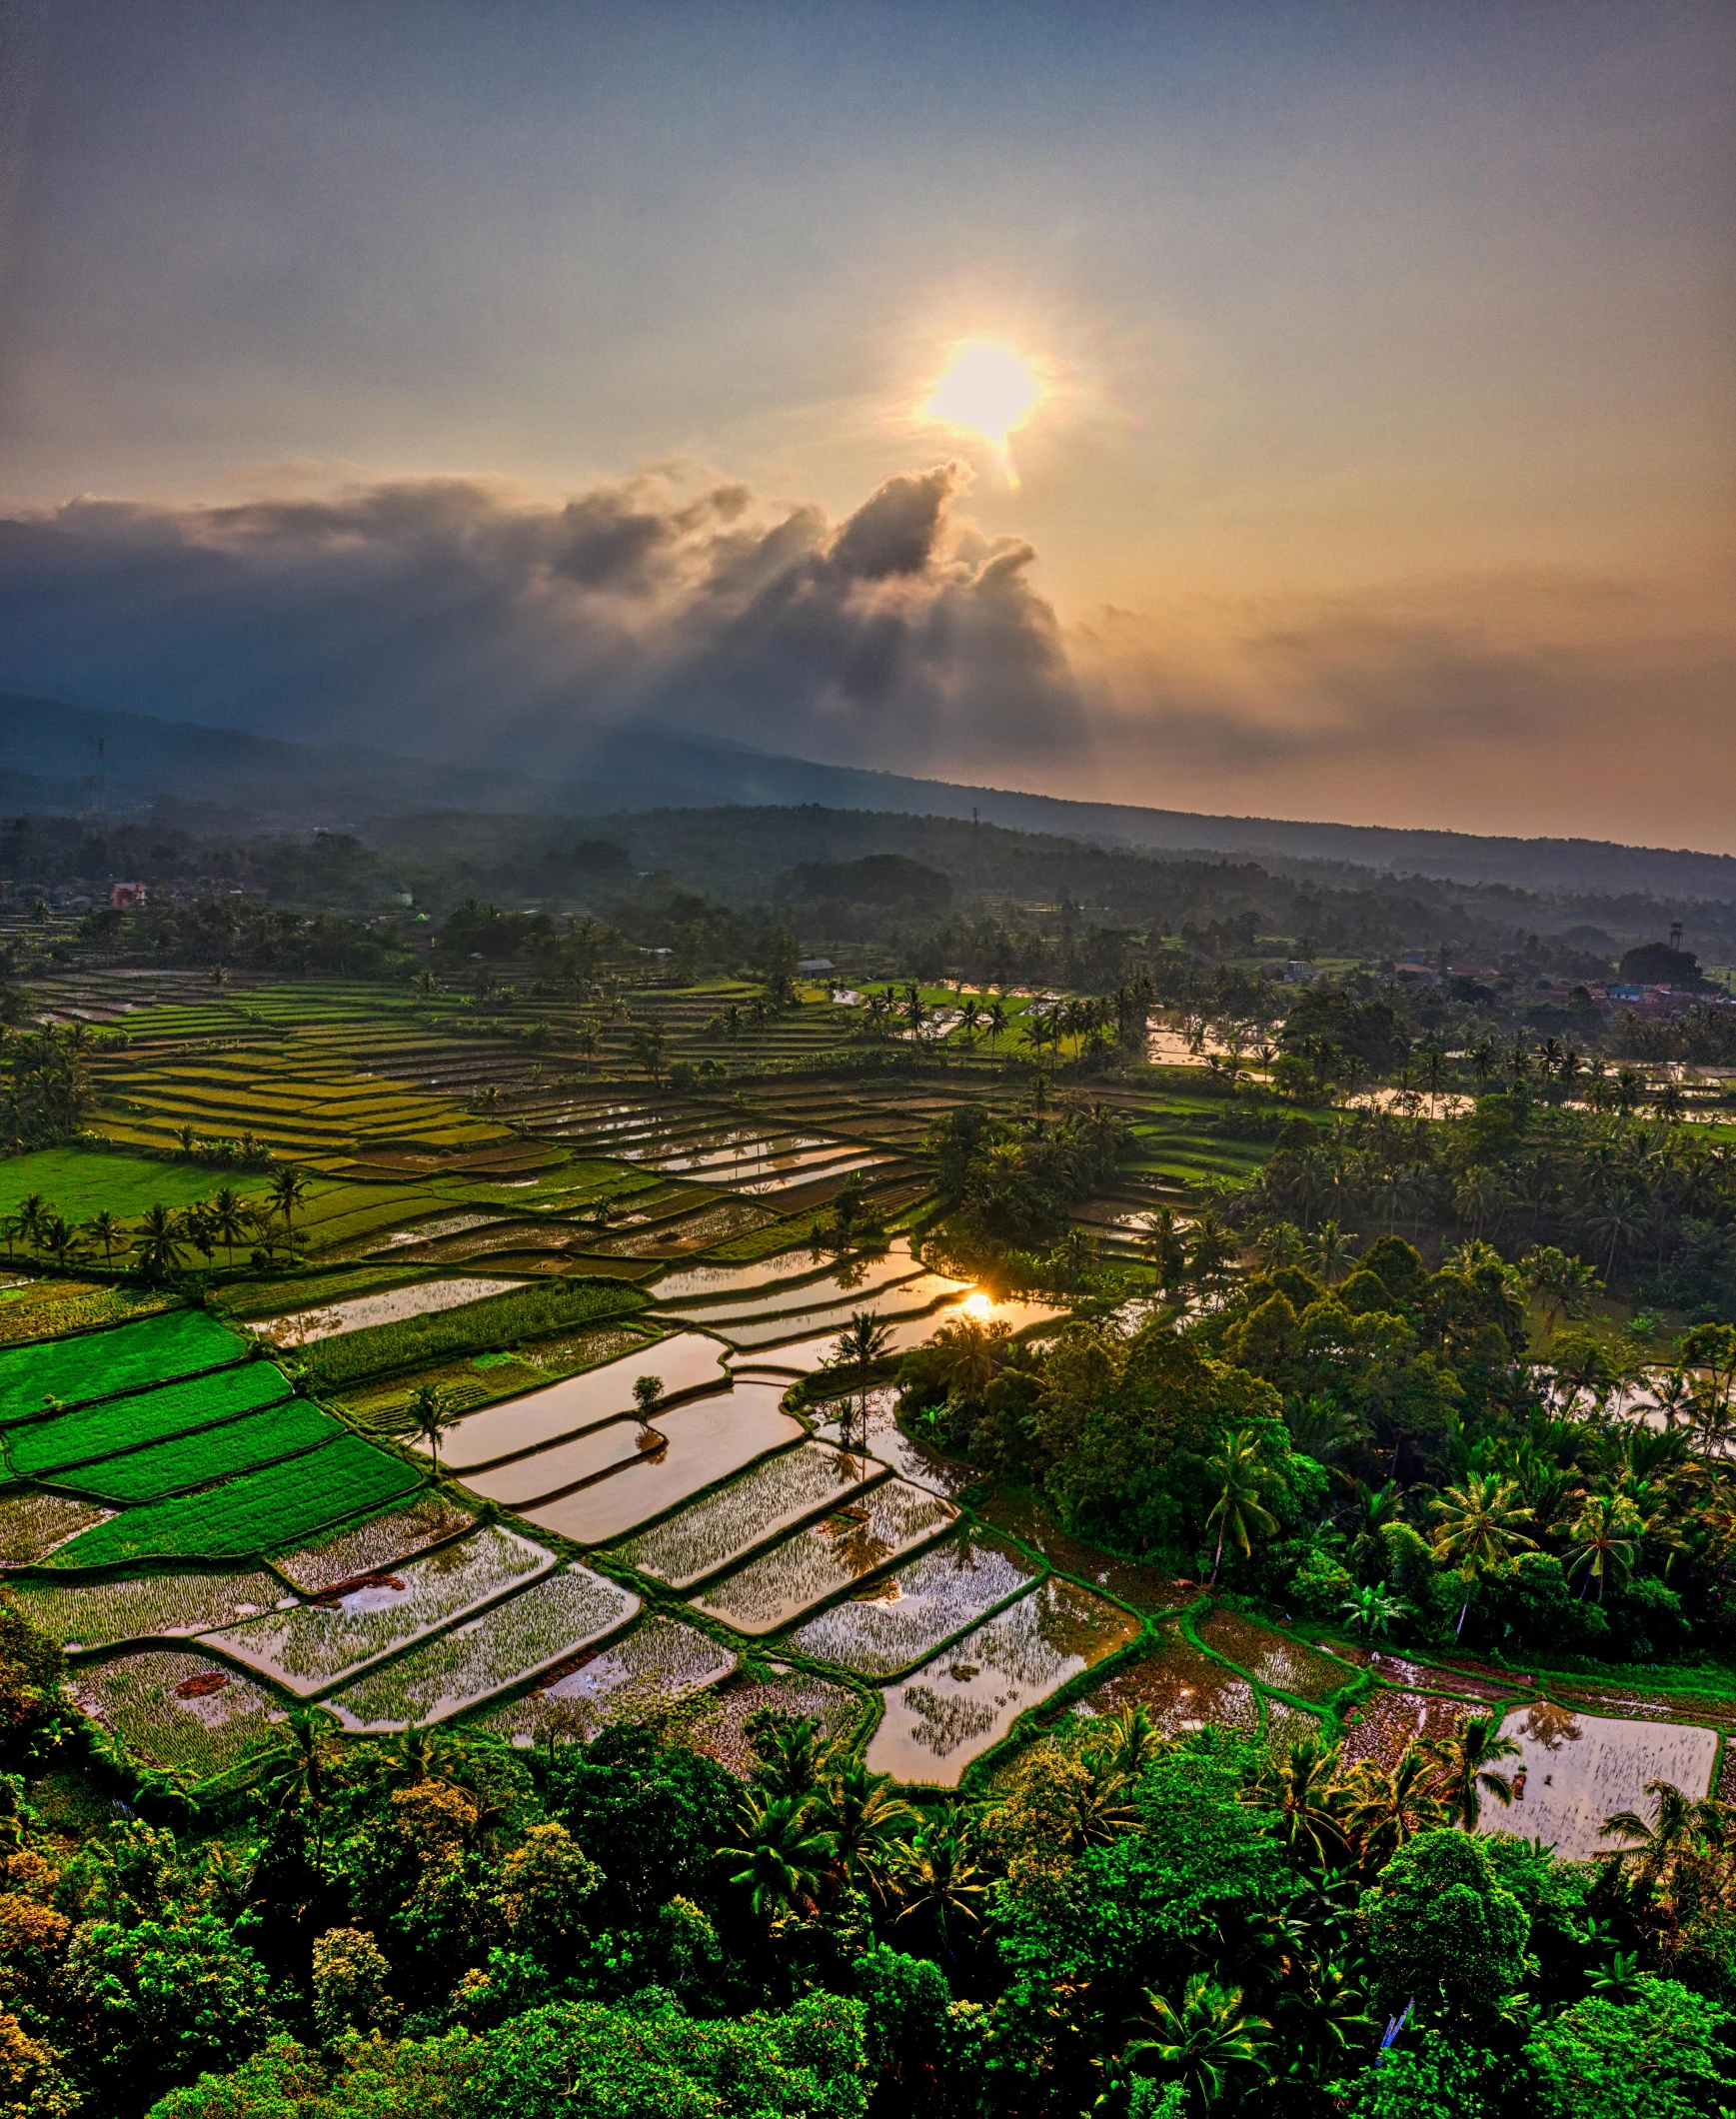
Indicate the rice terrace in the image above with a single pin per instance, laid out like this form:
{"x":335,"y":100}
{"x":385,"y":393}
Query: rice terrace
{"x":978,"y":1401}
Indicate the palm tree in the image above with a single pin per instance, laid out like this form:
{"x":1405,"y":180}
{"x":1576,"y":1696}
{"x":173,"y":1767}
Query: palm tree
{"x":792,"y":1752}
{"x":1331,"y":1249}
{"x":105,"y":1228}
{"x":229,"y":1217}
{"x":431,"y":1413}
{"x":869,"y":1827}
{"x":285,"y":1192}
{"x":1463,"y":1767}
{"x":943,"y":1879}
{"x":1239,"y":1510}
{"x":1168,"y":1253}
{"x":1212,"y":1253}
{"x":863,"y":1344}
{"x":158,"y":1249}
{"x":1676,"y":1825}
{"x":1201,"y":2039}
{"x":1382,"y":1811}
{"x":588,"y":1044}
{"x":1479,"y":1528}
{"x":995,"y":1019}
{"x":1299,"y":1783}
{"x":648,"y":1043}
{"x":1606,"y":1541}
{"x":780,"y":1855}
{"x":33,"y":1215}
{"x":288,"y":1768}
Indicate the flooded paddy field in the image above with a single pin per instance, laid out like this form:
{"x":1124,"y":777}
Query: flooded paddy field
{"x":1581,"y":1768}
{"x":897,"y":1622}
{"x":875,"y":1529}
{"x":637,"y":1678}
{"x":964,"y":1701}
{"x":784,"y":1490}
{"x":1277,"y":1662}
{"x":684,"y":1361}
{"x":705,"y":1439}
{"x":1179,"y":1687}
{"x":299,"y":1327}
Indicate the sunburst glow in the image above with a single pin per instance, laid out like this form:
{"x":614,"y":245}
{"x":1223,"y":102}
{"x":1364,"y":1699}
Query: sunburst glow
{"x":985,"y":388}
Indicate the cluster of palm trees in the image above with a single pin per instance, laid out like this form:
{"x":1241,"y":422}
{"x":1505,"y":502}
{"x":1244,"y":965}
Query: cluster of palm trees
{"x":817,"y":1826}
{"x":1623,"y":1191}
{"x":156,"y":1244}
{"x":48,"y":1086}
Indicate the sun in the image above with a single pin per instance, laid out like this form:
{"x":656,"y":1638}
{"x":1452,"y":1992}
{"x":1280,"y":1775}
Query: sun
{"x":985,"y":388}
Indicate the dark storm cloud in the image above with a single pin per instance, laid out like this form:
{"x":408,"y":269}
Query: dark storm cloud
{"x":451,"y":617}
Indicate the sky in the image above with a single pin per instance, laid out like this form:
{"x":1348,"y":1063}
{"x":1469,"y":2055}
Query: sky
{"x":462,"y":377}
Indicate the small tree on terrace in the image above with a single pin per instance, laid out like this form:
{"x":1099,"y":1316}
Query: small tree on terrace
{"x":646,"y":1390}
{"x":431,"y":1414}
{"x":648,"y":1043}
{"x":287,"y":1192}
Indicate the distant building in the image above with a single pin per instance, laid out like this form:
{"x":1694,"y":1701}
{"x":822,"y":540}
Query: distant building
{"x":1299,"y":974}
{"x":127,"y":896}
{"x":816,"y":964}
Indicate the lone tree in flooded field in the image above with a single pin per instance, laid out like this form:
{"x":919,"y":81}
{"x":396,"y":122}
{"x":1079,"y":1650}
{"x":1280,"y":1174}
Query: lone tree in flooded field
{"x":865,"y":1340}
{"x":647,"y":1392}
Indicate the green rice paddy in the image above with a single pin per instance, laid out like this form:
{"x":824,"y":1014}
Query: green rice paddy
{"x":45,"y":1446}
{"x":105,"y":1364}
{"x":250,"y":1514}
{"x":212,"y":1453}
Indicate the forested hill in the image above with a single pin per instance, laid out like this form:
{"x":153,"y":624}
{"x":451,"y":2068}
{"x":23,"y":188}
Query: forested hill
{"x":51,"y":763}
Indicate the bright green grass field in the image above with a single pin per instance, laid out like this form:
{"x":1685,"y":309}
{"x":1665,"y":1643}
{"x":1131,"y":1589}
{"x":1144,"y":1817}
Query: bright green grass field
{"x":77,"y":1183}
{"x":213,"y":1454}
{"x":147,"y":1417}
{"x":105,"y":1364}
{"x":262,"y":1511}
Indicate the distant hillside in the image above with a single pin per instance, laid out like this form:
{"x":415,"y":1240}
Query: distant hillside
{"x":50,"y":764}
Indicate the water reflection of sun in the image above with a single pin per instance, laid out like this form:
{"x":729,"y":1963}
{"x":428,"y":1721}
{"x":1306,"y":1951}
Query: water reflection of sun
{"x":978,"y":1305}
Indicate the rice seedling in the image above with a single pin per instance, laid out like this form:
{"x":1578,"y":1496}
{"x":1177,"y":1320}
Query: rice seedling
{"x":968,"y":1698}
{"x":903,"y":1618}
{"x":872,"y":1530}
{"x":541,"y":1625}
{"x":52,"y":1306}
{"x":1287,"y":1725}
{"x":191,"y":1460}
{"x":364,"y":1548}
{"x":107,"y":1365}
{"x":636,"y":1678}
{"x":1386,"y":1723}
{"x":33,"y":1524}
{"x":244,"y":1516}
{"x":100,"y":1614}
{"x":685,"y":1548}
{"x":68,"y":1439}
{"x":309,"y":1646}
{"x":1274,"y":1661}
{"x":176,"y":1710}
{"x":1146,"y":1589}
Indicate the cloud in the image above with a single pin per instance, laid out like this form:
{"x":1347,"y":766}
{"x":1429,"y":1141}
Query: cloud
{"x":456,"y":618}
